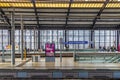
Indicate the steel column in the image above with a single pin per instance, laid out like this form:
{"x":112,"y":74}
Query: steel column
{"x":9,"y":31}
{"x":3,"y":58}
{"x":65,"y":38}
{"x":38,"y":39}
{"x":12,"y":38}
{"x":66,"y":22}
{"x":34,"y":40}
{"x":22,"y":42}
{"x":92,"y":39}
{"x":118,"y":37}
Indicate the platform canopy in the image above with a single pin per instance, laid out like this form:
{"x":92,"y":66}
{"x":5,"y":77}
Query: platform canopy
{"x":61,"y":14}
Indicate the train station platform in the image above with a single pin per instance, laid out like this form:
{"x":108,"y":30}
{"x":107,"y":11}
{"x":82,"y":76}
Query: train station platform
{"x":67,"y":69}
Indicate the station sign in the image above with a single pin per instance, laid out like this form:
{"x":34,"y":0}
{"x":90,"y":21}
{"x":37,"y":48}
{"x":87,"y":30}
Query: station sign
{"x":76,"y":42}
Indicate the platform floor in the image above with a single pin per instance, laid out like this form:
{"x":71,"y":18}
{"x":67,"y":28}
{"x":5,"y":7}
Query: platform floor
{"x":7,"y":64}
{"x":68,"y":63}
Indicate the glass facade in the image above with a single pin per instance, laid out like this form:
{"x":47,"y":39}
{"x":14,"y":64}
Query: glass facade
{"x":101,"y":38}
{"x":78,"y":35}
{"x":51,"y":36}
{"x":105,"y":38}
{"x":4,"y":38}
{"x":29,"y":38}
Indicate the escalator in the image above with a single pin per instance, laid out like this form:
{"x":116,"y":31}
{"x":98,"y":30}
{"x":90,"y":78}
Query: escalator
{"x":114,"y":59}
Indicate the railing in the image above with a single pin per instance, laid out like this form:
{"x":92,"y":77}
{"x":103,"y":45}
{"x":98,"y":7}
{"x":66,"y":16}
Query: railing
{"x":97,"y":57}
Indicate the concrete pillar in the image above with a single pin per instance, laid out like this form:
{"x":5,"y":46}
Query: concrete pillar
{"x":22,"y":42}
{"x":12,"y":38}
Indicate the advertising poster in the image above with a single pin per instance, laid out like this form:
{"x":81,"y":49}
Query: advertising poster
{"x":50,"y":49}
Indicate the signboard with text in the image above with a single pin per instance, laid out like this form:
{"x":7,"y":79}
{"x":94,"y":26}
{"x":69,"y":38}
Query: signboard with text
{"x":50,"y":49}
{"x":76,"y":42}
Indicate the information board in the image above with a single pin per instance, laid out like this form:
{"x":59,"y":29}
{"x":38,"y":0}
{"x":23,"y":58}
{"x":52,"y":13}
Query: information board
{"x":50,"y":49}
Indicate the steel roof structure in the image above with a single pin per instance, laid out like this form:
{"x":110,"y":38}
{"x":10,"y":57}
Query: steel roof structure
{"x":61,"y":14}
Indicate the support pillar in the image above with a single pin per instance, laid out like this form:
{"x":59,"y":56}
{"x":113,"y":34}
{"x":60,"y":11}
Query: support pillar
{"x":38,"y":39}
{"x":92,"y":45}
{"x":12,"y":38}
{"x":66,"y":38}
{"x":118,"y":37}
{"x":22,"y":42}
{"x":3,"y":58}
{"x":9,"y":42}
{"x":34,"y":40}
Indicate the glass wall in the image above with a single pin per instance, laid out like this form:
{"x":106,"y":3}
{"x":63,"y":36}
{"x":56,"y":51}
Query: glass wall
{"x":78,"y":35}
{"x":105,"y":38}
{"x":51,"y":36}
{"x":102,"y":38}
{"x":4,"y":39}
{"x":30,"y":38}
{"x":72,"y":35}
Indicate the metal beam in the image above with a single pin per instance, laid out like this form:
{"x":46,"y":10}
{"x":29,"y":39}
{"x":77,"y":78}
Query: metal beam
{"x":35,"y":10}
{"x":68,"y":13}
{"x":38,"y":25}
{"x":63,"y":12}
{"x":70,"y":20}
{"x":118,"y":26}
{"x":61,"y":27}
{"x":4,"y":16}
{"x":99,"y":13}
{"x":66,"y":22}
